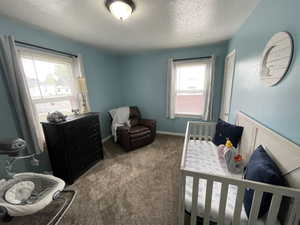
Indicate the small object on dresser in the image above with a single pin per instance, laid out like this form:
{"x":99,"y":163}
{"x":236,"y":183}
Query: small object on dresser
{"x":56,"y":117}
{"x":76,"y":112}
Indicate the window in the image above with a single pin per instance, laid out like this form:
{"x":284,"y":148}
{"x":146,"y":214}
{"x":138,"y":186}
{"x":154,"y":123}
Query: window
{"x":51,"y":82}
{"x":190,"y":88}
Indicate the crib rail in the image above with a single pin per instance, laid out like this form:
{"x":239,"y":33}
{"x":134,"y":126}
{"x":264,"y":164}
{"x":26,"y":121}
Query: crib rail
{"x":278,"y":192}
{"x":201,"y":130}
{"x":205,"y":131}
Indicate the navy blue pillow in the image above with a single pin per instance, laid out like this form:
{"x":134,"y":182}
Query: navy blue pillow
{"x":226,"y":130}
{"x":261,"y":168}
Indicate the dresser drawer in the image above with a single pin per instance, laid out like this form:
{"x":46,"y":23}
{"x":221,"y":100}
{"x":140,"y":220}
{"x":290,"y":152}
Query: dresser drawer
{"x":77,"y":145}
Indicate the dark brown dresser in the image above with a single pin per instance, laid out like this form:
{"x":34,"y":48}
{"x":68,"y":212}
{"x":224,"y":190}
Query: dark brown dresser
{"x":74,"y":145}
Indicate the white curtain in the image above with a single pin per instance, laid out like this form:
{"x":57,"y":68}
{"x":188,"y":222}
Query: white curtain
{"x":13,"y":73}
{"x":208,"y":113}
{"x":171,"y":84}
{"x":79,"y":71}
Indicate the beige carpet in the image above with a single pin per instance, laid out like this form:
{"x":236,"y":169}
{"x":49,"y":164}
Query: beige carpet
{"x":130,"y":188}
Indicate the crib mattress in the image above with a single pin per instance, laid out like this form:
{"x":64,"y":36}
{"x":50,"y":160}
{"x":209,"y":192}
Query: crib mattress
{"x":202,"y":156}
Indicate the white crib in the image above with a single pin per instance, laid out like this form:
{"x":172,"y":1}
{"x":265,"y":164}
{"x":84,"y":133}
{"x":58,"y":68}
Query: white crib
{"x":285,"y":153}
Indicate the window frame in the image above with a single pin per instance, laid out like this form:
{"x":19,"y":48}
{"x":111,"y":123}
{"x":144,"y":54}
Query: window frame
{"x":209,"y":75}
{"x":58,"y":58}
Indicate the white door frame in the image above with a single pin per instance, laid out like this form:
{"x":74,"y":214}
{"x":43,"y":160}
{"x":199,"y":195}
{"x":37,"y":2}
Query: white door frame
{"x":225,"y":115}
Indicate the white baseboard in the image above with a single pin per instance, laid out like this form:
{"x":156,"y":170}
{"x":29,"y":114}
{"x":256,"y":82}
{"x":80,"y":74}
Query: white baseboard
{"x":106,"y":138}
{"x":170,"y":133}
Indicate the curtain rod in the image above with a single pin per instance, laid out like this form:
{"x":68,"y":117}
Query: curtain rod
{"x":44,"y":48}
{"x":183,"y":59}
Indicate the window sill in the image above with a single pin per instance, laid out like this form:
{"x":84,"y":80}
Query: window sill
{"x":188,"y":116}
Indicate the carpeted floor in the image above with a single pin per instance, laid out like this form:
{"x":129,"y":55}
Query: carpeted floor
{"x":130,"y":188}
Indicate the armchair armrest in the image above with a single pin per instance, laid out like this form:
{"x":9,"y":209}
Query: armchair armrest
{"x":123,"y":136}
{"x":151,"y":124}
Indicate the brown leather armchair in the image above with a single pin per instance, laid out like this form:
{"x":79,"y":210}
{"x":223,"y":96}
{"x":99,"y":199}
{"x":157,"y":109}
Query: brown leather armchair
{"x":141,"y":132}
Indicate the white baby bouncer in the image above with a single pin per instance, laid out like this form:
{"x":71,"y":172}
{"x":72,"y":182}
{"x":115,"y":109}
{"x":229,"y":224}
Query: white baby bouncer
{"x":27,"y":193}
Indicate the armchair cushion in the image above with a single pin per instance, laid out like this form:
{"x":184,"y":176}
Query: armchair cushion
{"x":135,"y":113}
{"x":134,"y":122}
{"x":134,"y":116}
{"x":138,"y":129}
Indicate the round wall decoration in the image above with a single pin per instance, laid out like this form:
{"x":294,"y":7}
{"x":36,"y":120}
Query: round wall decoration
{"x":276,"y":58}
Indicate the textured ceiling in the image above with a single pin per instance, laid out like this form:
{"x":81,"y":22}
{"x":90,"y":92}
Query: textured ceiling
{"x":155,"y":24}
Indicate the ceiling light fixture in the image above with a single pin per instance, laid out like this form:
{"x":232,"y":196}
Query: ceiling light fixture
{"x":121,"y":9}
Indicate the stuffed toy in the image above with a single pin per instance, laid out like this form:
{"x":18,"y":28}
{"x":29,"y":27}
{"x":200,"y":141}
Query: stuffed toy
{"x":233,"y":159}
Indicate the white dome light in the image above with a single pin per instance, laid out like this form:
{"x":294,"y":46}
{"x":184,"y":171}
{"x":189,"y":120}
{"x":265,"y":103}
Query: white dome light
{"x":120,"y":9}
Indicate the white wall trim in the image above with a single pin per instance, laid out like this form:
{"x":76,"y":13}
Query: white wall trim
{"x":170,"y":133}
{"x":106,"y":138}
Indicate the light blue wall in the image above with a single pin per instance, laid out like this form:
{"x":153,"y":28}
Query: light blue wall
{"x":101,"y":74}
{"x":277,"y":107}
{"x":100,"y":67}
{"x":113,"y":80}
{"x":143,"y":78}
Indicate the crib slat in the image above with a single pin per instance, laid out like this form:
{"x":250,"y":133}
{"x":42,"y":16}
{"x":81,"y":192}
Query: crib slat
{"x":223,"y":200}
{"x":205,"y":128}
{"x":255,"y":206}
{"x":274,"y":208}
{"x":182,"y":201}
{"x":238,"y":205}
{"x":201,"y":126}
{"x":195,"y":200}
{"x":192,"y":131}
{"x":209,"y":187}
{"x":208,"y":132}
{"x":203,"y":131}
{"x":199,"y":132}
{"x":293,"y":214}
{"x":213,"y":130}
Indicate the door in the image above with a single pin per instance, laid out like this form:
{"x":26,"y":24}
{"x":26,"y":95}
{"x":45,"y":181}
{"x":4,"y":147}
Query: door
{"x":227,"y":86}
